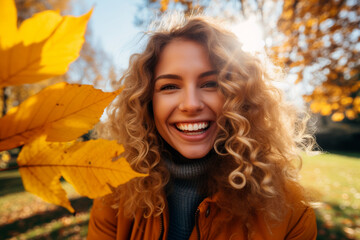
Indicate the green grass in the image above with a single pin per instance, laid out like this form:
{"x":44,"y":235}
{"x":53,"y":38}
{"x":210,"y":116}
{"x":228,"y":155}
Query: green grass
{"x":25,"y":216}
{"x":332,"y":179}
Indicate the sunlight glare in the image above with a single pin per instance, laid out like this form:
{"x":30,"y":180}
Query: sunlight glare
{"x":250,"y":35}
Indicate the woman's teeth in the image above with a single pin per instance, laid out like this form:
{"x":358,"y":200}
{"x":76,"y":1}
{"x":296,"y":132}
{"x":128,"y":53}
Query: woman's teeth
{"x":189,"y":127}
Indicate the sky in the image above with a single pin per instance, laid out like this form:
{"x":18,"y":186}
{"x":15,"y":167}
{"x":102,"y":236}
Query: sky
{"x":112,"y":24}
{"x":113,"y":28}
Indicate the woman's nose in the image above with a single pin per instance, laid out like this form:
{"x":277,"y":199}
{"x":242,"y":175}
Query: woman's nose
{"x":191,"y":101}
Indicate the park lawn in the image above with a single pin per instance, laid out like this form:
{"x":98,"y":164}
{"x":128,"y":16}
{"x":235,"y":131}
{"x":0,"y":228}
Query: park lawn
{"x":332,"y":179}
{"x":25,"y":216}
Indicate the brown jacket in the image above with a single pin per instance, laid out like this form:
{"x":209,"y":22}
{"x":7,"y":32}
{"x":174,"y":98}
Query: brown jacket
{"x":211,"y":223}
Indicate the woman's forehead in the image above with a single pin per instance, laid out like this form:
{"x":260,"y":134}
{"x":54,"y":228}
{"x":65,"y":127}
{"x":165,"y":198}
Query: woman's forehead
{"x":181,"y":54}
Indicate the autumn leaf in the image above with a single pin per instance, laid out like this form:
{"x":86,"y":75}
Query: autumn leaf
{"x":326,"y":109}
{"x":350,"y":114}
{"x":8,"y":21}
{"x":164,"y":5}
{"x":41,"y":48}
{"x":62,"y":111}
{"x":337,"y":117}
{"x":345,"y":101}
{"x":92,"y":167}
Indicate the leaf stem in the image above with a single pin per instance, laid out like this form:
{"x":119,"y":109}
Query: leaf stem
{"x":9,"y":168}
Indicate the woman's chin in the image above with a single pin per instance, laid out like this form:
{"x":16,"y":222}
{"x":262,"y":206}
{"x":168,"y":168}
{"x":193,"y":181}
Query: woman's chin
{"x":194,"y":153}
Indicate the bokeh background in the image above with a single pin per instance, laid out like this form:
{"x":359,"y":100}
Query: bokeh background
{"x":316,"y":42}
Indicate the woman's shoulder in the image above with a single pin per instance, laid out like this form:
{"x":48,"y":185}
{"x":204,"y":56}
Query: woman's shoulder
{"x":300,"y":219}
{"x":104,"y":219}
{"x":299,"y":223}
{"x":105,"y":208}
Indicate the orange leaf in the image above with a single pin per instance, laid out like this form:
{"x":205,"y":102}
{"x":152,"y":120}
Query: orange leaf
{"x":356,"y":101}
{"x":337,"y":117}
{"x":335,"y":106}
{"x":42,"y":47}
{"x":346,"y":101}
{"x":350,"y":114}
{"x":164,"y":5}
{"x":88,"y":166}
{"x":62,"y":111}
{"x":326,"y":110}
{"x":316,"y":106}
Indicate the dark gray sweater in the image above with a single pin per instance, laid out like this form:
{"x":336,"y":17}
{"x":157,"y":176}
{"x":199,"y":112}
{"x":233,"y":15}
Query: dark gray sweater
{"x":188,"y":176}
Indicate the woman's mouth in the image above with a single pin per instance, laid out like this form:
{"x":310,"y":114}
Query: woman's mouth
{"x":192,"y":128}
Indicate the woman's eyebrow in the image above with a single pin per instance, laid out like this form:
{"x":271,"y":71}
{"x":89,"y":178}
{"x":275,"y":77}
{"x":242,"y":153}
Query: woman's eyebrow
{"x":209,"y":73}
{"x":174,"y":76}
{"x":168,"y":76}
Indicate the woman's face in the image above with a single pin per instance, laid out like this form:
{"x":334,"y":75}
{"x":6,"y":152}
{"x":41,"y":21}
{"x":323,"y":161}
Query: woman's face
{"x":186,"y":99}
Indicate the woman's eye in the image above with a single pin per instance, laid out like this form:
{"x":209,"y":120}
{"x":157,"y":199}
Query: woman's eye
{"x":168,"y":87}
{"x":210,"y":84}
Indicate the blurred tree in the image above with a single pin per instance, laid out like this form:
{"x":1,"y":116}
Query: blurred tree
{"x":321,"y":43}
{"x":318,"y":40}
{"x":228,"y":9}
{"x":93,"y":66}
{"x":27,"y":8}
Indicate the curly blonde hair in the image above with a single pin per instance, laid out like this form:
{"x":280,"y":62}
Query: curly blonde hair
{"x":259,"y":132}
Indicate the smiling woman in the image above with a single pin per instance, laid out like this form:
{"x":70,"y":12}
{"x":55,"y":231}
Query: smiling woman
{"x":218,"y":141}
{"x":186,"y":100}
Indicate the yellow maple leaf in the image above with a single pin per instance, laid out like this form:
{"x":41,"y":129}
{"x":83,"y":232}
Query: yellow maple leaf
{"x":42,"y":47}
{"x":337,"y":117}
{"x":89,"y":166}
{"x":8,"y":28}
{"x":62,"y":111}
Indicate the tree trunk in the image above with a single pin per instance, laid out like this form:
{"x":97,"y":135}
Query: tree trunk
{"x":4,"y":100}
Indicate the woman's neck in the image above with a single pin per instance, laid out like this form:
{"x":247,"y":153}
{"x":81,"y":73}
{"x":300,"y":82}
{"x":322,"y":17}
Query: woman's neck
{"x":184,"y":168}
{"x":170,"y":153}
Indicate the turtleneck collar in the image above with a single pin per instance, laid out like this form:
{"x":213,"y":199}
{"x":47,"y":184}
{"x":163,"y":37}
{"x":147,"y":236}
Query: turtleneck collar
{"x":184,"y":168}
